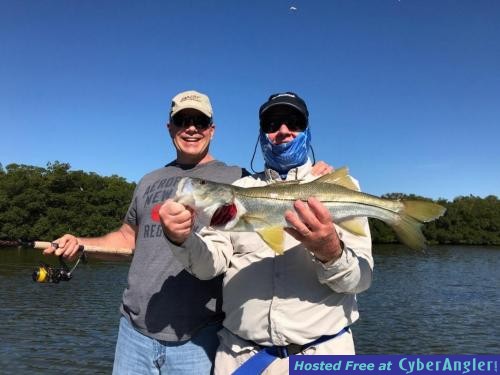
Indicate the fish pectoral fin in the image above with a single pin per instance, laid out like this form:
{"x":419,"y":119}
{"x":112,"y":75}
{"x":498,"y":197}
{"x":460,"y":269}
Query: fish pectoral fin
{"x":274,"y":237}
{"x":339,"y":177}
{"x":353,"y":226}
{"x":256,"y":222}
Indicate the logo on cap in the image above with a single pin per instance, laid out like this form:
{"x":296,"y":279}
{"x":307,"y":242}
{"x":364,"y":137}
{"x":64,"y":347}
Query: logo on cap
{"x":192,"y":100}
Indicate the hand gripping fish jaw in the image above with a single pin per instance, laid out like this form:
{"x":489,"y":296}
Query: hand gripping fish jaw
{"x":214,"y":204}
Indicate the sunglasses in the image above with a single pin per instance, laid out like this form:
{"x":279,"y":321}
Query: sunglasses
{"x":199,"y":122}
{"x":271,"y":124}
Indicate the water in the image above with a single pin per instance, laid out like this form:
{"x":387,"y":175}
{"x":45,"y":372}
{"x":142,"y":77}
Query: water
{"x":445,"y":301}
{"x":70,"y":327}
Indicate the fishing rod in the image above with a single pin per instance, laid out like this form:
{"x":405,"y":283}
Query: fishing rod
{"x":89,"y":249}
{"x":46,"y":273}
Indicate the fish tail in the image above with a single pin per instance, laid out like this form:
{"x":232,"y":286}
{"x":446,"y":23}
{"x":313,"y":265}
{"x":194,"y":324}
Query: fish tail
{"x":409,"y":232}
{"x":423,"y":211}
{"x":408,"y":226}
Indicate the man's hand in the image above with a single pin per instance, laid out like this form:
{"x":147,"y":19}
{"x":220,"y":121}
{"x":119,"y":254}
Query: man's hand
{"x":67,"y":247}
{"x":312,"y":224}
{"x":177,"y":221}
{"x":321,"y":168}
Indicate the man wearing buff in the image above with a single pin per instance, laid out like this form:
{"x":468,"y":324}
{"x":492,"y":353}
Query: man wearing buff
{"x":301,"y":302}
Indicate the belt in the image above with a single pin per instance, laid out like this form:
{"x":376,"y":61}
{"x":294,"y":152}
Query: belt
{"x":292,"y":349}
{"x":263,"y":358}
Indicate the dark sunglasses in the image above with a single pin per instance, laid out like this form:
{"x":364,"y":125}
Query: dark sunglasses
{"x":199,"y":122}
{"x":271,"y":124}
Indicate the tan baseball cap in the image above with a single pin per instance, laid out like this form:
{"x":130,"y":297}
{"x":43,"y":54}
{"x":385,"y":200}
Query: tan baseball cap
{"x":191,"y":99}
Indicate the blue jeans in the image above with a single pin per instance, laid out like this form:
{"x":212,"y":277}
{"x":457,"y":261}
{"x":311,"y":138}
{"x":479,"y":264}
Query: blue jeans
{"x":138,"y":354}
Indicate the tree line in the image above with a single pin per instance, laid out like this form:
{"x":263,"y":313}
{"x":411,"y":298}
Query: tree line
{"x":468,"y":220}
{"x":44,"y":203}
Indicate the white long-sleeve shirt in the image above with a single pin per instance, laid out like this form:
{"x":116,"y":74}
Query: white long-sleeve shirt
{"x":275,"y":299}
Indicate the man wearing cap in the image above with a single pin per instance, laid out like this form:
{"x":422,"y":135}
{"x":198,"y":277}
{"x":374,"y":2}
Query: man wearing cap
{"x":169,"y":317}
{"x":301,"y":302}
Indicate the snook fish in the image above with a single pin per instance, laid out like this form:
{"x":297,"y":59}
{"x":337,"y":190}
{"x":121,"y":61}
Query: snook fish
{"x":261,"y":209}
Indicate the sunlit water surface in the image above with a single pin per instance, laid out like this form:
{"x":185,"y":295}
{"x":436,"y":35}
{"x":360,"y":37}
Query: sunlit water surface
{"x":444,"y":301}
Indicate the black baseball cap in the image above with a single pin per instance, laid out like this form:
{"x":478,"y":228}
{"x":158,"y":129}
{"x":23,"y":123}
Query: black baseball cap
{"x":288,"y":98}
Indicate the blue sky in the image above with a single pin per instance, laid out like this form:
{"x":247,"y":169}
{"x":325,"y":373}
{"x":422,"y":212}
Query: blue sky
{"x":405,"y":93}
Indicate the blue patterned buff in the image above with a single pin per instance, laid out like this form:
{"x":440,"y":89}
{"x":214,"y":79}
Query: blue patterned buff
{"x":285,"y":156}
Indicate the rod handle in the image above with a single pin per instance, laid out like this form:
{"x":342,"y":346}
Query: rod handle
{"x":87,"y":248}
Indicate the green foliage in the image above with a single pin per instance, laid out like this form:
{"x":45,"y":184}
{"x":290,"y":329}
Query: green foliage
{"x":44,"y":203}
{"x":468,"y":220}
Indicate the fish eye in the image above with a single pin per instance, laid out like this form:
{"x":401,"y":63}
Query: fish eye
{"x":203,"y":182}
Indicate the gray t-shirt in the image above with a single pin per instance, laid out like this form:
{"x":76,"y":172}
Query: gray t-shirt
{"x":162,"y":300}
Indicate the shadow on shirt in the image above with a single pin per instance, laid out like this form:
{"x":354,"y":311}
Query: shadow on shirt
{"x":186,"y":304}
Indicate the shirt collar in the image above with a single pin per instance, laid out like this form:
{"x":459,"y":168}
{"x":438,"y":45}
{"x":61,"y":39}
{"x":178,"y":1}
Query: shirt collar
{"x":297,"y":173}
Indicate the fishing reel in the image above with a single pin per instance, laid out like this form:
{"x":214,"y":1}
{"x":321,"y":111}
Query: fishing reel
{"x":46,"y":273}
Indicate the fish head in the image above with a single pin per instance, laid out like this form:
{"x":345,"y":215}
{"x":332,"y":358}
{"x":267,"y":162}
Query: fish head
{"x":212,"y":202}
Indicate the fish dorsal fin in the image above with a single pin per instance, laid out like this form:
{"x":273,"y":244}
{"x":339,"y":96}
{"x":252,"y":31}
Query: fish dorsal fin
{"x":339,"y":177}
{"x":353,"y":226}
{"x":274,"y":237}
{"x":333,"y":177}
